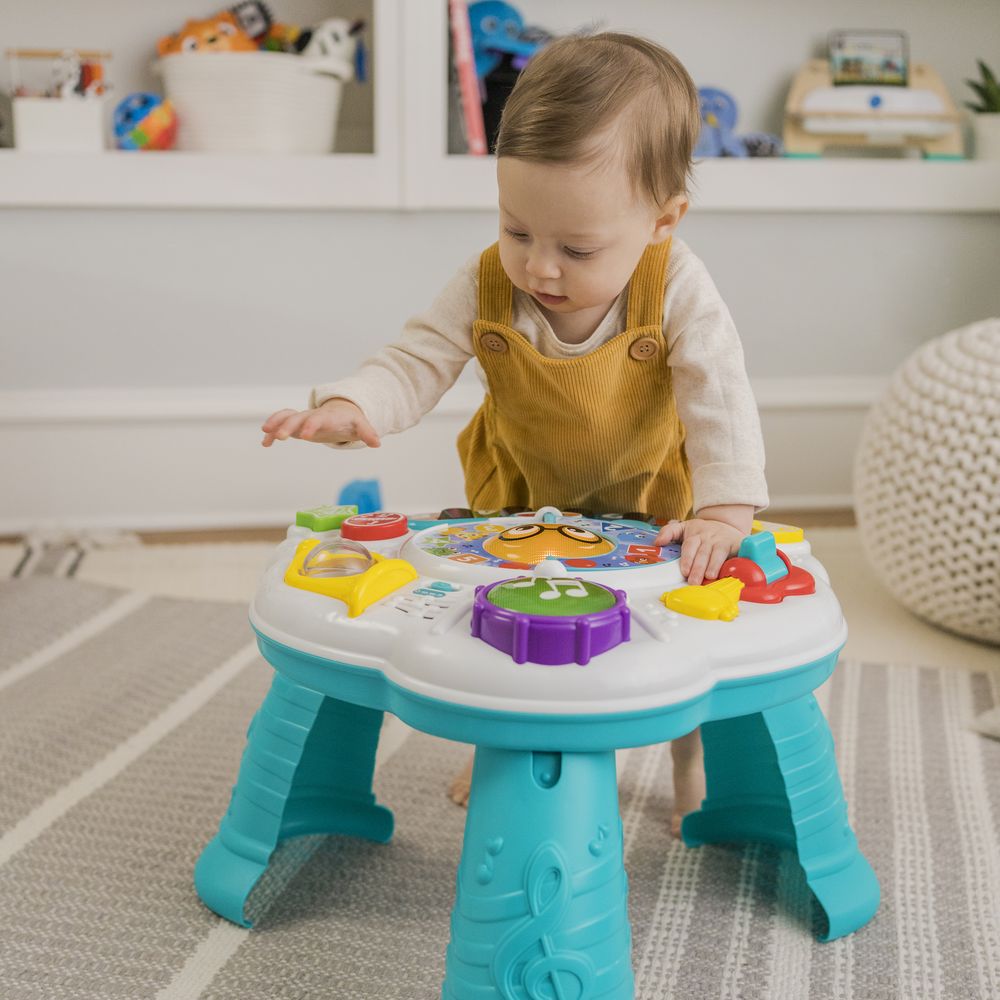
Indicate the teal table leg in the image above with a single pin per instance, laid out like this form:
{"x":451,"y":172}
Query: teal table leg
{"x":307,"y":768}
{"x":540,"y":907}
{"x":772,"y":777}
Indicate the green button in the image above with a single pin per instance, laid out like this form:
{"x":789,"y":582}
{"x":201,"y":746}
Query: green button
{"x":325,"y":518}
{"x":554,"y":598}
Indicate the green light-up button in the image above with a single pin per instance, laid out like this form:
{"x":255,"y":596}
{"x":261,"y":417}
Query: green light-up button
{"x":324,"y":518}
{"x":555,"y":598}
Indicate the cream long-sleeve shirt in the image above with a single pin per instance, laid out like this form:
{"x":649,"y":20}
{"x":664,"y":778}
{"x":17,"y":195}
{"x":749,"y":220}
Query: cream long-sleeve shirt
{"x":725,"y":450}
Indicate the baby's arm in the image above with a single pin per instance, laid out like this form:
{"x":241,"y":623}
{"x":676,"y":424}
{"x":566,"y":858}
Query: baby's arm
{"x":723,"y":443}
{"x":397,"y":386}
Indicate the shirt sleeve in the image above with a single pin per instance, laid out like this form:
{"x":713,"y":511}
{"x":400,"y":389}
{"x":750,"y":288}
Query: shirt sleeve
{"x":404,"y":380}
{"x":724,"y":443}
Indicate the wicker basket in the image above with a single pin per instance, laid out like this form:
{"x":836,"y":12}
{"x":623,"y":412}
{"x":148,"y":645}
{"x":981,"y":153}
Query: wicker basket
{"x":254,"y":102}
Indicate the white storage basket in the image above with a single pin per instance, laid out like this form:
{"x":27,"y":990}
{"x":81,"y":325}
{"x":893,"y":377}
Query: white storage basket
{"x":254,"y":102}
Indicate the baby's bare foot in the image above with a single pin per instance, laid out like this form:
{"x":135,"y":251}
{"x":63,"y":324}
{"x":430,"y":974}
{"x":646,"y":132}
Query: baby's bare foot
{"x":458,"y":790}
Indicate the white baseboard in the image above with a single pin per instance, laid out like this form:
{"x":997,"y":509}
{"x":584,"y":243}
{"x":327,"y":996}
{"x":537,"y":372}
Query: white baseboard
{"x":153,"y":459}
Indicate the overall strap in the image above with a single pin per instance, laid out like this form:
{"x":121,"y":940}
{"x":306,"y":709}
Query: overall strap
{"x":496,"y":292}
{"x":645,"y":292}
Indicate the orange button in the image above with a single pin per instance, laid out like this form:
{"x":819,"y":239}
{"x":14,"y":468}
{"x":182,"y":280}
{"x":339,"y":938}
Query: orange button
{"x":494,"y":342}
{"x":644,"y":348}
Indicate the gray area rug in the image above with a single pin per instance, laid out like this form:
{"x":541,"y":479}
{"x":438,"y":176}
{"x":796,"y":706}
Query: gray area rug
{"x":122,"y":720}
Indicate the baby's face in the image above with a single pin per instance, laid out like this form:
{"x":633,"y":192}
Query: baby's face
{"x":571,"y":235}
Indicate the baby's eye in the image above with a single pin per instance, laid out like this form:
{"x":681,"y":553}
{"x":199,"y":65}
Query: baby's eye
{"x":579,"y":254}
{"x":514,"y":234}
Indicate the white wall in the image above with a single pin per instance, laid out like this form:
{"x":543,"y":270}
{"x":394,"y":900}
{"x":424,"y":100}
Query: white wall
{"x":210,"y":300}
{"x":129,"y":298}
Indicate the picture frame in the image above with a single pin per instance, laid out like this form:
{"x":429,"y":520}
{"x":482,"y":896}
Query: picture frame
{"x":869,"y":58}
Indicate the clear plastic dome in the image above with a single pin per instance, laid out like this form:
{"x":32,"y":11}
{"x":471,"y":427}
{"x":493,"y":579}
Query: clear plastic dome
{"x":337,"y":557}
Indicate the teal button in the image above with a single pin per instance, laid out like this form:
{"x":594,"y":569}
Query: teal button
{"x":761,"y":549}
{"x":442,"y":586}
{"x":324,"y":518}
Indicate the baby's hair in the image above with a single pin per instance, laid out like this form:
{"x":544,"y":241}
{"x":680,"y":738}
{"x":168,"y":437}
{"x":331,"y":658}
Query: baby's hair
{"x":621,"y":87}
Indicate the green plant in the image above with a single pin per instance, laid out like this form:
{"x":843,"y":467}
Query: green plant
{"x":987,"y":90}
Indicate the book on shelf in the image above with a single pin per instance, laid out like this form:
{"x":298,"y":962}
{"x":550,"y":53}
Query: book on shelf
{"x":464,"y":91}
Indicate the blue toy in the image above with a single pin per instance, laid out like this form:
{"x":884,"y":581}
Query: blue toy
{"x":718,"y":122}
{"x":498,"y":30}
{"x":144,"y":121}
{"x":364,"y":494}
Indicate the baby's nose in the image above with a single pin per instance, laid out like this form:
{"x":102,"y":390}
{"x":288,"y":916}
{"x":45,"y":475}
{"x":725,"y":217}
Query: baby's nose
{"x":542,"y":266}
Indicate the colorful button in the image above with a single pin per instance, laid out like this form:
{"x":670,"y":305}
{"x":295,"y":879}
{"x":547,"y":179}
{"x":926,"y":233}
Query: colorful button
{"x":441,"y":585}
{"x":324,"y":518}
{"x":374,"y":527}
{"x":550,"y":621}
{"x":760,"y":549}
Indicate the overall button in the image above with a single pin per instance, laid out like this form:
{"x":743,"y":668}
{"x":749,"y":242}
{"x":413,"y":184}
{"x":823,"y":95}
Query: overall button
{"x":644,"y":348}
{"x":494,"y":342}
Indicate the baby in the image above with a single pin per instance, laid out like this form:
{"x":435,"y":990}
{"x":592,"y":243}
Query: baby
{"x":614,"y":376}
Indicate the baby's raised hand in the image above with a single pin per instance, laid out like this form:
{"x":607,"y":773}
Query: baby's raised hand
{"x":706,"y":545}
{"x":337,"y":421}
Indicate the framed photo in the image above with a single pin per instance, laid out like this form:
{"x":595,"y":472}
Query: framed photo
{"x":875,"y":58}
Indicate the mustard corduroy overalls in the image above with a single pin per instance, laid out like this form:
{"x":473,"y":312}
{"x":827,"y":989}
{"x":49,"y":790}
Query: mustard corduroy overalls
{"x":598,"y":432}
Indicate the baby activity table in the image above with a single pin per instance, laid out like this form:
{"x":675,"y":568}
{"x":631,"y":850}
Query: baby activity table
{"x":548,"y":639}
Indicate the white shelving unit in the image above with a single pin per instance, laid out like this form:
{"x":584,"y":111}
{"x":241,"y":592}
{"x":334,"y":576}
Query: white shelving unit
{"x":411,"y":170}
{"x":203,"y":180}
{"x":433,"y":179}
{"x":115,"y":179}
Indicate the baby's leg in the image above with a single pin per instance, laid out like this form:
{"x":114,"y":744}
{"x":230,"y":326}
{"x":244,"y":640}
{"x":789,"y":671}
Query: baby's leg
{"x":689,"y":777}
{"x":458,"y":790}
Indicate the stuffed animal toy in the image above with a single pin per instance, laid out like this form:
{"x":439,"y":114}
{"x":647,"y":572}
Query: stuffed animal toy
{"x":221,"y":33}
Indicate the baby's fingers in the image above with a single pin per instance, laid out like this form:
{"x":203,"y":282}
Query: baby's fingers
{"x":366,"y":433}
{"x":291,"y":426}
{"x":689,"y":550}
{"x":719,"y":554}
{"x":275,"y":419}
{"x":272,"y":423}
{"x":670,"y":532}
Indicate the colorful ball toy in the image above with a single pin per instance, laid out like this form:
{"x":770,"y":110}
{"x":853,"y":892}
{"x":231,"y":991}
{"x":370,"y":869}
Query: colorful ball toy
{"x":145,"y":121}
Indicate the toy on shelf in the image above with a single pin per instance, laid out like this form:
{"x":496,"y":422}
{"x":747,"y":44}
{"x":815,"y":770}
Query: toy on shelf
{"x":339,"y":39}
{"x":242,"y":83}
{"x":254,"y":18}
{"x":718,"y":124}
{"x":820,"y":115}
{"x":547,"y":638}
{"x":502,"y":45}
{"x":219,"y":33}
{"x":144,"y":121}
{"x":58,"y":99}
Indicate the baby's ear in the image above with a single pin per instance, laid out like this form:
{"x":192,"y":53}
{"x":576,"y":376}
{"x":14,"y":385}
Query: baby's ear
{"x":669,"y":217}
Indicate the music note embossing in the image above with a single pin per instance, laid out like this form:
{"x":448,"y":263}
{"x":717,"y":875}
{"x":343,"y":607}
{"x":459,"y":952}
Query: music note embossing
{"x":576,"y":588}
{"x":554,"y":974}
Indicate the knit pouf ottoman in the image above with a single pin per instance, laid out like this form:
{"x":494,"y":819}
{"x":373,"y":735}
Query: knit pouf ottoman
{"x":927,"y":483}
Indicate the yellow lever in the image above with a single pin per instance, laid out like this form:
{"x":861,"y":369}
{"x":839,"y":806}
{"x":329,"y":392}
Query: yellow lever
{"x":711,"y":601}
